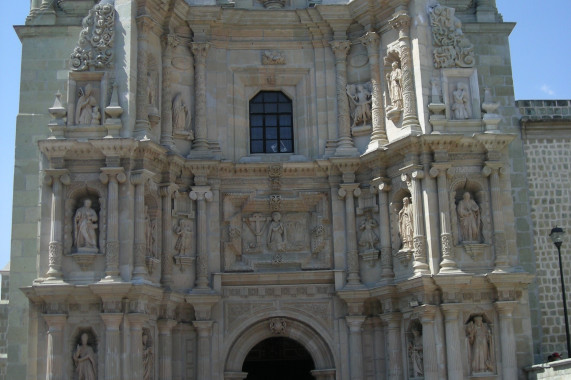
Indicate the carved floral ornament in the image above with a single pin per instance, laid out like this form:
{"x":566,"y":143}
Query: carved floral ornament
{"x":453,"y":49}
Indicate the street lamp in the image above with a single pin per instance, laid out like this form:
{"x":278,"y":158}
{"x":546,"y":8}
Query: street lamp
{"x":556,"y":236}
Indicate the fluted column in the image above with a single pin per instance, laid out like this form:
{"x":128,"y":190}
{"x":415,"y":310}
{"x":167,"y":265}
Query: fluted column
{"x":167,"y":261}
{"x":393,"y":323}
{"x":355,"y":324}
{"x":493,"y":170}
{"x":136,"y":321}
{"x":401,"y":22}
{"x":447,"y":262}
{"x":419,"y":240}
{"x":139,"y":244}
{"x":347,"y":192}
{"x":204,"y":331}
{"x":383,"y":187}
{"x":56,"y":323}
{"x":200,"y":51}
{"x":371,"y":41}
{"x":201,"y":194}
{"x":112,"y":345}
{"x":170,"y":41}
{"x":453,"y":351}
{"x":142,"y":125}
{"x":57,"y":178}
{"x":430,"y":359}
{"x":165,"y":353}
{"x":345,"y":146}
{"x":112,"y":177}
{"x":507,"y":339}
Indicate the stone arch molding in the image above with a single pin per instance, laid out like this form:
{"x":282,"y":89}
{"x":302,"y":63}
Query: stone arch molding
{"x":314,"y":342}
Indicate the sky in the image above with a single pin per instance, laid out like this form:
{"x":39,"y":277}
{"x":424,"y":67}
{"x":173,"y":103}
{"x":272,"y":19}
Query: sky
{"x":540,"y":62}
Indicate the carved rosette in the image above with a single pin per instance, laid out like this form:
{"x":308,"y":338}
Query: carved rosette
{"x":278,"y":326}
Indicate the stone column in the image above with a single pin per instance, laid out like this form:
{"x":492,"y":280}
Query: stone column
{"x":55,"y":349}
{"x":201,"y":194}
{"x":401,"y":22}
{"x":112,"y":177}
{"x":200,"y":51}
{"x":112,"y":345}
{"x":355,"y":323}
{"x":347,"y":192}
{"x":379,"y":347}
{"x":493,"y":171}
{"x":419,"y":240}
{"x":430,"y":359}
{"x":139,"y":244}
{"x":447,"y":263}
{"x":371,"y":41}
{"x":170,"y":41}
{"x":142,"y":125}
{"x":165,"y":353}
{"x":136,"y":321}
{"x":57,"y":178}
{"x":453,"y":352}
{"x":383,"y":187}
{"x":393,"y":323}
{"x":345,"y":146}
{"x":204,"y":331}
{"x":167,"y":241}
{"x":507,"y":339}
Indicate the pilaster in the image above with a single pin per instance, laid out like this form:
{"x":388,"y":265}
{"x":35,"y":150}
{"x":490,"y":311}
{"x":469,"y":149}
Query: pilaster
{"x":507,"y":338}
{"x":56,"y":323}
{"x":201,"y":194}
{"x":355,"y":324}
{"x":112,"y":345}
{"x":57,"y":178}
{"x":453,"y":351}
{"x":382,"y":184}
{"x":165,"y":351}
{"x":393,"y":322}
{"x":204,"y":344}
{"x":200,"y":144}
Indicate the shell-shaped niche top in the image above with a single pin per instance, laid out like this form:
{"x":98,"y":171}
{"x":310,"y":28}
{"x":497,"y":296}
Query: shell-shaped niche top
{"x":94,"y":50}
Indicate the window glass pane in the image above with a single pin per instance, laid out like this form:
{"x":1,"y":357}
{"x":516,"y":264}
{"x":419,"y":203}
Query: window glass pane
{"x":258,"y":98}
{"x":257,"y":121}
{"x":257,"y":146}
{"x":283,"y":98}
{"x":271,"y":146}
{"x":271,"y":107}
{"x":285,"y":120}
{"x":256,"y":108}
{"x":257,"y":133}
{"x":270,"y":97}
{"x":286,"y":146}
{"x":284,"y":107}
{"x":285,"y":133}
{"x":271,"y":133}
{"x":271,"y":121}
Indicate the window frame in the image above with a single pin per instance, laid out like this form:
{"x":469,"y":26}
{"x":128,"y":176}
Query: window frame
{"x":270,"y":116}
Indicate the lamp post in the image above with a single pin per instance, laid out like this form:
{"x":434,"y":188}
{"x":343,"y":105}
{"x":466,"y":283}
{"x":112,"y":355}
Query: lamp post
{"x":556,"y":236}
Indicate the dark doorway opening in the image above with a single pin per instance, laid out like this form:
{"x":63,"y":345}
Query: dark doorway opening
{"x":278,"y":359}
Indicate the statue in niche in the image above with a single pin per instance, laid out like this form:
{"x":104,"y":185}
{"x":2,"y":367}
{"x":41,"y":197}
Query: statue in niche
{"x":85,"y":105}
{"x":415,"y":351}
{"x":85,"y":224}
{"x":277,"y":233}
{"x":480,"y":338}
{"x":461,"y":102}
{"x":369,"y":237}
{"x":147,"y":357}
{"x":150,"y":233}
{"x":179,"y":114}
{"x":84,"y":359}
{"x":469,"y":218}
{"x":394,"y":78}
{"x":360,"y":99}
{"x":183,"y":244}
{"x":405,"y":224}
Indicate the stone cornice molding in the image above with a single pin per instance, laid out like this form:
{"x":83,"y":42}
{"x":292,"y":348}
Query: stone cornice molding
{"x":116,"y":147}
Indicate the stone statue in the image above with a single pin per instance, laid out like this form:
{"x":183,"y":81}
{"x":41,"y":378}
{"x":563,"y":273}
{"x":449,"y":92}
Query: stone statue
{"x":85,"y":223}
{"x":360,"y":99}
{"x":369,"y":237}
{"x":84,"y":359}
{"x":415,"y":352}
{"x":95,"y":116}
{"x":84,"y":107}
{"x":405,"y":224}
{"x":147,"y":358}
{"x":461,"y":102}
{"x":276,"y":233}
{"x":469,"y":218}
{"x":150,"y":233}
{"x":179,"y":114}
{"x":183,"y":242}
{"x":394,"y":78}
{"x":481,"y":343}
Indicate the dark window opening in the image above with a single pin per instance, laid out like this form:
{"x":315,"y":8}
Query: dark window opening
{"x":271,"y":123}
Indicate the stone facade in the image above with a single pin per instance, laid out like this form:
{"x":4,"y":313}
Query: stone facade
{"x":382,"y":227}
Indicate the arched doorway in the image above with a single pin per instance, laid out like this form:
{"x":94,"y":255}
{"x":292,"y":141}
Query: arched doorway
{"x":278,"y":358}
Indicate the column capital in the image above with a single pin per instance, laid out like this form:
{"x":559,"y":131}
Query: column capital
{"x":401,"y":22}
{"x":349,"y":189}
{"x":439,"y":169}
{"x":52,"y":175}
{"x":355,"y":322}
{"x":451,"y":310}
{"x":171,"y":40}
{"x":428,"y":313}
{"x":392,"y":319}
{"x":200,"y":193}
{"x":491,"y":167}
{"x":371,"y":41}
{"x":167,"y":189}
{"x":55,"y":322}
{"x":112,"y":174}
{"x":340,"y":48}
{"x":139,"y":177}
{"x":203,"y":328}
{"x":505,"y":308}
{"x":381,"y":184}
{"x":112,"y":320}
{"x":199,"y":51}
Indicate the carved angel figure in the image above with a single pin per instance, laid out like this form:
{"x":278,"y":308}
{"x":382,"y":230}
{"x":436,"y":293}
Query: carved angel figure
{"x":461,"y":102}
{"x":179,"y":114}
{"x":84,"y":360}
{"x":479,"y":336}
{"x":369,"y":237}
{"x":85,"y":224}
{"x":469,"y":218}
{"x":85,"y":105}
{"x":394,"y":78}
{"x":184,"y":238}
{"x":360,"y":99}
{"x":405,"y":224}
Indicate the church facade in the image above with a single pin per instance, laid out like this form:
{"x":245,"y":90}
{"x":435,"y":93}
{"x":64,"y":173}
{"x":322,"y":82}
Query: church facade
{"x":269,"y":189}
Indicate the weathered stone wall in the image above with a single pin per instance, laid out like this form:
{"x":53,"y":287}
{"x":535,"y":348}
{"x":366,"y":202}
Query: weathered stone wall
{"x":557,"y":370}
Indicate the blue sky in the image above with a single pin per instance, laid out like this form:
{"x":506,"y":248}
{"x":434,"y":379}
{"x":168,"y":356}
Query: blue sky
{"x":540,"y":61}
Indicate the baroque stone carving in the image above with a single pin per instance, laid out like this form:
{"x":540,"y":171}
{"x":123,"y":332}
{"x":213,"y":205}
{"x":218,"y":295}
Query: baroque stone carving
{"x":276,"y":233}
{"x":148,"y":357}
{"x":406,"y":229}
{"x":278,"y":326}
{"x":415,"y":350}
{"x":461,"y":102}
{"x":183,"y":244}
{"x":181,"y":118}
{"x":394,"y":79}
{"x":84,"y":359}
{"x":469,"y":219}
{"x":369,"y":237}
{"x":453,"y":49}
{"x":85,"y":224}
{"x":86,"y":110}
{"x":360,"y":98}
{"x":94,"y":49}
{"x":480,"y":339}
{"x":273,"y":57}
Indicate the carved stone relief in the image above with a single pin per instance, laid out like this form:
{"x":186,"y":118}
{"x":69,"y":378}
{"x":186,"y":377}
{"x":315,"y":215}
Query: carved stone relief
{"x":369,"y":238}
{"x":460,"y":101}
{"x":394,"y":80}
{"x":84,"y":356}
{"x":181,"y":118}
{"x":415,"y":350}
{"x":481,"y":345}
{"x":278,"y":326}
{"x":469,"y":218}
{"x":360,"y":99}
{"x":273,"y":57}
{"x":453,"y":49}
{"x":87,"y":107}
{"x":94,"y":48}
{"x":85,"y":225}
{"x":405,"y":219}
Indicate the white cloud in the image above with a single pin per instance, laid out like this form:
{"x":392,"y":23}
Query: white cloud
{"x":546,"y":89}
